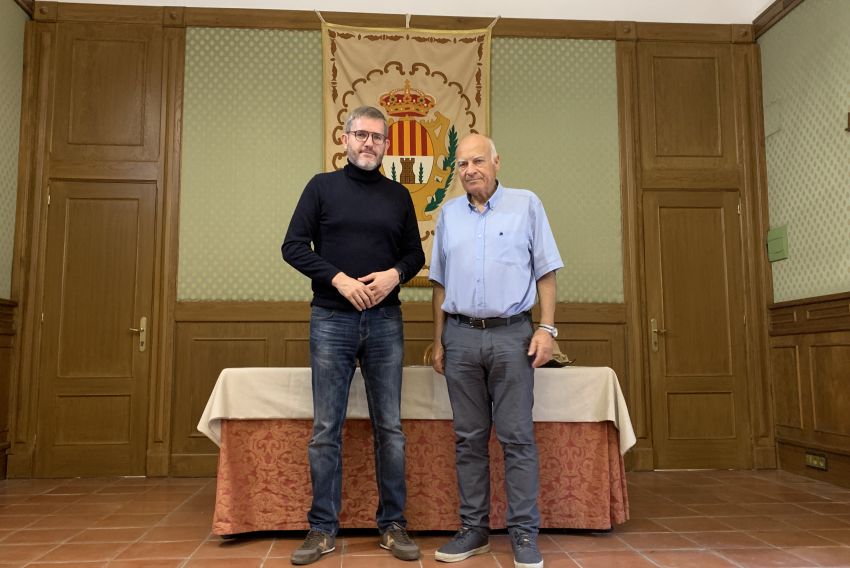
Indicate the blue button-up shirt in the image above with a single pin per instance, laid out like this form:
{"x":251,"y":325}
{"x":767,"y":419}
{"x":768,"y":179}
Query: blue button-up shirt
{"x":489,"y":262}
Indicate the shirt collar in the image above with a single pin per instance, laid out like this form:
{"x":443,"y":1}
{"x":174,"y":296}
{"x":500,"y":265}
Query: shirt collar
{"x":493,"y":202}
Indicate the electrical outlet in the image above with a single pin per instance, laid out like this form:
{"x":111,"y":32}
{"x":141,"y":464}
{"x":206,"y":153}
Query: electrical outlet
{"x":817,"y":461}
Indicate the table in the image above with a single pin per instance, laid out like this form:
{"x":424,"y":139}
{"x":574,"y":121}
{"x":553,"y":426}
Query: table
{"x":262,"y":420}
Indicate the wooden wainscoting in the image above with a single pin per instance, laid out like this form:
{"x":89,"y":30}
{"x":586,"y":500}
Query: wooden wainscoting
{"x":810,"y":371}
{"x":211,"y":336}
{"x":7,"y":336}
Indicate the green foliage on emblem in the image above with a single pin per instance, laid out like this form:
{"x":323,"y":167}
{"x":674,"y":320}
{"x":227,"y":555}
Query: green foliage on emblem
{"x":448,"y":164}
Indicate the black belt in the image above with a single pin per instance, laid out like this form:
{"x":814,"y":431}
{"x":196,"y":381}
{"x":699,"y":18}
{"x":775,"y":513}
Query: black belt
{"x":484,"y":323}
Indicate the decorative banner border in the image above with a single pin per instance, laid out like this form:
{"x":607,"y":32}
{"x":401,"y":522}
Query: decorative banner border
{"x":434,"y":87}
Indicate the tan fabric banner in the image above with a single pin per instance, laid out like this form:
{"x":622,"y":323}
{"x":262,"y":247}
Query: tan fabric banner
{"x":434,"y":87}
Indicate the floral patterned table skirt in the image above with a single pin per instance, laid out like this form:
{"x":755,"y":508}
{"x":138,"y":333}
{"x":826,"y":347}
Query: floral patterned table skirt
{"x":264,"y":476}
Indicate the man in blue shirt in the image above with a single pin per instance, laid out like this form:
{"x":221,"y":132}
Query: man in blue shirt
{"x":493,"y":253}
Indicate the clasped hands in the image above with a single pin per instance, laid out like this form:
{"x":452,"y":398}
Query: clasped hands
{"x":366,"y":291}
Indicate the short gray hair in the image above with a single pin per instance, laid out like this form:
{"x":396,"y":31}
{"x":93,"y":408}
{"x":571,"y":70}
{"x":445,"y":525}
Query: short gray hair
{"x":365,"y":112}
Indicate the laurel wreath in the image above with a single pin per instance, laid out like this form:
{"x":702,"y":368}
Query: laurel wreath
{"x":448,"y":164}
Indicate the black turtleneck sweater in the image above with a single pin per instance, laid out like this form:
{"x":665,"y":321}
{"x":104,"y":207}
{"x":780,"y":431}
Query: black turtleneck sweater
{"x":358,"y":222}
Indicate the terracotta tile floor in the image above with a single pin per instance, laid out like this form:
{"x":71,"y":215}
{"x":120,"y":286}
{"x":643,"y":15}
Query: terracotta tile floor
{"x":700,"y":519}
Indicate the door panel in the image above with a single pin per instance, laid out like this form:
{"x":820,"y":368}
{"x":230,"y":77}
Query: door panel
{"x":108,"y":87}
{"x":697,"y":355}
{"x":99,"y":284}
{"x":687,"y":119}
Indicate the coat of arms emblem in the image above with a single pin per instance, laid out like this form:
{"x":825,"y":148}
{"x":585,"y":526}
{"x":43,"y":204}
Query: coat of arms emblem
{"x":421,"y":154}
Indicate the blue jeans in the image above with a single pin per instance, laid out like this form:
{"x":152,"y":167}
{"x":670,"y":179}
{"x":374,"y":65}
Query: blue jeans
{"x":338,"y":338}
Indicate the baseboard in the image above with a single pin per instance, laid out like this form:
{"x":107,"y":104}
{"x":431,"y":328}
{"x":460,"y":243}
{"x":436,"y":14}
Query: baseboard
{"x":765,"y":457}
{"x":640,"y":459}
{"x":193,"y":465}
{"x":792,"y":459}
{"x":19,"y":464}
{"x":3,"y":459}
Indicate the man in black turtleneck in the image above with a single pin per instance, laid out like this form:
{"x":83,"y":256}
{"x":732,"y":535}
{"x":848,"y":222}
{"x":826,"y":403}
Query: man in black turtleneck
{"x":354,"y":234}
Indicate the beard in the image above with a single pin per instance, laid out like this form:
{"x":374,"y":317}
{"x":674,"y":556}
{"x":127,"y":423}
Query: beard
{"x":364,"y":162}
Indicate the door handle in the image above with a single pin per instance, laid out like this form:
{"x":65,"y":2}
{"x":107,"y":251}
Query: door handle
{"x":653,"y":327}
{"x":142,"y":331}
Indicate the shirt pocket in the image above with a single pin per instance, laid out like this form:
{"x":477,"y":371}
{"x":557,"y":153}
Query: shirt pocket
{"x":510,"y":248}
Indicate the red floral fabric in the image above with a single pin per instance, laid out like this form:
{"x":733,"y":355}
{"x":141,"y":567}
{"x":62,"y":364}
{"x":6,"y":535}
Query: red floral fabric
{"x":264,"y":476}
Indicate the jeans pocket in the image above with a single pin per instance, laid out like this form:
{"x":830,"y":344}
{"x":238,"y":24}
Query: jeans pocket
{"x":320,"y":313}
{"x":391,"y":312}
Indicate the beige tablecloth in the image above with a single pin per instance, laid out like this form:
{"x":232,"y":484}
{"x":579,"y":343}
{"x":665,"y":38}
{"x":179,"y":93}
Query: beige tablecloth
{"x":569,"y":394}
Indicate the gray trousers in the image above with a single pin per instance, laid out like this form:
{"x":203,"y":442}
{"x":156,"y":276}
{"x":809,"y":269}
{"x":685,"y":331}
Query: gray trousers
{"x":491,"y":381}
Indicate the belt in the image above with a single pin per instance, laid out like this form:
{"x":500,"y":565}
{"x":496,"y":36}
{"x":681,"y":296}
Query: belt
{"x":484,"y":323}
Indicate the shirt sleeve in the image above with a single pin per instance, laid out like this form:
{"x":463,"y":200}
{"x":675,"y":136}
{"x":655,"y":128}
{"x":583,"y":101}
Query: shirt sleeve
{"x":545,"y":255}
{"x":412,"y":257}
{"x":436,"y":271}
{"x":303,"y":233}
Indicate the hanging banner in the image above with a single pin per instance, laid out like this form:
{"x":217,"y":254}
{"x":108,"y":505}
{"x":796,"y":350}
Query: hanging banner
{"x":434,"y":88}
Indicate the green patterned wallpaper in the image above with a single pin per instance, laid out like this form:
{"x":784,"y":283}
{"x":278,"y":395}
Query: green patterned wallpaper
{"x":554,"y":114}
{"x":806,"y":79}
{"x":12,"y":22}
{"x":251,"y":142}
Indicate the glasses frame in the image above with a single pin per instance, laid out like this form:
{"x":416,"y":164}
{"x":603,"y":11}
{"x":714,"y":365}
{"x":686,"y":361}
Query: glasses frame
{"x":366,"y":134}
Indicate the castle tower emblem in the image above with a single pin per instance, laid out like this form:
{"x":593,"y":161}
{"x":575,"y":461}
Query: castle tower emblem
{"x":418,"y":156}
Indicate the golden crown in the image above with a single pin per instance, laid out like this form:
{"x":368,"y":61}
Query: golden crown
{"x":407,"y":102}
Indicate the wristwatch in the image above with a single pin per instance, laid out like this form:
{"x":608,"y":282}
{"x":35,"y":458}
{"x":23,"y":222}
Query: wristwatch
{"x":550,"y":329}
{"x":400,"y":274}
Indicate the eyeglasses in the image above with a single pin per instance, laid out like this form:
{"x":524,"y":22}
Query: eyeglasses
{"x":363,"y":135}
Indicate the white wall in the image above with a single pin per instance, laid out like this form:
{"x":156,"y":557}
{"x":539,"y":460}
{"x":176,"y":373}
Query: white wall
{"x":694,"y":11}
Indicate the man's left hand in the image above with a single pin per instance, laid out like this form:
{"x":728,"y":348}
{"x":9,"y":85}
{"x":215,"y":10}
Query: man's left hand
{"x":381,"y":283}
{"x":542,"y":345}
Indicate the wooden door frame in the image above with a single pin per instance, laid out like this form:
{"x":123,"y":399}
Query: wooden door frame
{"x":757,"y":274}
{"x":34,"y":173}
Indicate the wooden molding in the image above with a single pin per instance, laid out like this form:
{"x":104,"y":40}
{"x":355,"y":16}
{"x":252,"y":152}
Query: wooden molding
{"x":27,"y":6}
{"x":45,"y":11}
{"x":36,"y":118}
{"x":124,"y":14}
{"x":772,"y":15}
{"x":175,"y":16}
{"x":162,"y":364}
{"x":700,"y":33}
{"x":749,"y":124}
{"x":413,"y":312}
{"x":627,"y":104}
{"x":7,"y":317}
{"x":742,"y":33}
{"x":241,"y":311}
{"x":626,"y":31}
{"x":308,"y":20}
{"x":811,"y":315}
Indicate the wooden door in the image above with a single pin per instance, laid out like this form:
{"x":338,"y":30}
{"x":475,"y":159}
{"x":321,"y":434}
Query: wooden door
{"x":94,"y":370}
{"x":694,"y":293}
